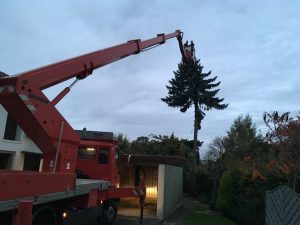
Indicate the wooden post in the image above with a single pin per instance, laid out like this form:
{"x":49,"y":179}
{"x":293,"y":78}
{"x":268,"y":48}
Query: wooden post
{"x":142,"y":200}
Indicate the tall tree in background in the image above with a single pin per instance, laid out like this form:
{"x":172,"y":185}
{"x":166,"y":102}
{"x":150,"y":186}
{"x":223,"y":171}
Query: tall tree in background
{"x":192,"y":87}
{"x":241,"y":141}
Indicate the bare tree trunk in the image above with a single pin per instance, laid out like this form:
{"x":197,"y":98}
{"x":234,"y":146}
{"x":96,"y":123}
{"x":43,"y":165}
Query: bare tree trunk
{"x":195,"y":149}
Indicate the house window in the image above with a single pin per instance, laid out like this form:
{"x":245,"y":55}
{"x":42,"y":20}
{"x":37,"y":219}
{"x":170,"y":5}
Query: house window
{"x":103,"y":156}
{"x":32,"y":161}
{"x":12,"y":130}
{"x":5,"y":160}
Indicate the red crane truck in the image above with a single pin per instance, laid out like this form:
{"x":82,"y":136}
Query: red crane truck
{"x":55,"y":196}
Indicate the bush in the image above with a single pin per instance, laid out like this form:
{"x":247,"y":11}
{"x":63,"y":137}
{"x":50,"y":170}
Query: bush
{"x":225,"y":198}
{"x":187,"y":181}
{"x":248,"y":202}
{"x":204,"y":185}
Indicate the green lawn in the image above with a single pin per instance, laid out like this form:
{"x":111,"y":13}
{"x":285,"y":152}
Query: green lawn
{"x":195,"y":218}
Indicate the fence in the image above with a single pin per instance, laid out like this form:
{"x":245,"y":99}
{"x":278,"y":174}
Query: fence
{"x":282,"y":207}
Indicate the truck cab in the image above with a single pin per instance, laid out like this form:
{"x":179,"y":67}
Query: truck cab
{"x":98,"y":157}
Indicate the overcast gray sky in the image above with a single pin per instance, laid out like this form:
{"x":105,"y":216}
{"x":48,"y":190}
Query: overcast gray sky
{"x":252,"y":46}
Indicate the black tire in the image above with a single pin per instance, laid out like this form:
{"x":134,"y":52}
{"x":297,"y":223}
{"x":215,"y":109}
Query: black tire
{"x":44,"y":216}
{"x":109,"y":214}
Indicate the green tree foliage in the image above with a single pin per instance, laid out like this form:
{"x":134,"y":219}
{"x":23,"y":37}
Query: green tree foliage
{"x":241,"y":199}
{"x":257,"y":164}
{"x":225,"y":199}
{"x":242,"y":147}
{"x":124,"y":143}
{"x":160,"y":145}
{"x":243,"y":141}
{"x":240,"y":138}
{"x":248,"y":205}
{"x":141,"y":146}
{"x":244,"y":152}
{"x":191,"y":87}
{"x":190,"y":144}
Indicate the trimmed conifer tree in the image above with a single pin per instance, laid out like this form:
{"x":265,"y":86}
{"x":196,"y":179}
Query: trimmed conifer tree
{"x":192,"y":87}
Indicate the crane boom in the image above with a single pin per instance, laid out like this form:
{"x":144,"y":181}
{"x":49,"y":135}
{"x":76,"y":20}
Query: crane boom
{"x":22,"y":97}
{"x":84,"y":65}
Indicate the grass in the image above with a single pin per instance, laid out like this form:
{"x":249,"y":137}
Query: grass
{"x":196,"y":218}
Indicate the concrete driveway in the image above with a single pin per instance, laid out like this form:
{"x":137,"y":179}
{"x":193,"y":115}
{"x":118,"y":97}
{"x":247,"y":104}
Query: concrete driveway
{"x":130,"y":220}
{"x":132,"y":216}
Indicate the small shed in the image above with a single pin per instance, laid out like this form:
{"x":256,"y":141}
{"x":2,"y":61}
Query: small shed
{"x":163,"y":177}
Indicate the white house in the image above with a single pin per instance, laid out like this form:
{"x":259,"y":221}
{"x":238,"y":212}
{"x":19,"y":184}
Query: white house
{"x":17,"y":151}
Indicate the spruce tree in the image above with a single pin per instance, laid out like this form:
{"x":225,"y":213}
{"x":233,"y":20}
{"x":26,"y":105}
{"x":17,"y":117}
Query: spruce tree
{"x":192,"y":87}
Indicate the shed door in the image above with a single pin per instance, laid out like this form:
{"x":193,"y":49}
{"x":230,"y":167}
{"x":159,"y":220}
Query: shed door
{"x":150,"y":174}
{"x":151,"y":181}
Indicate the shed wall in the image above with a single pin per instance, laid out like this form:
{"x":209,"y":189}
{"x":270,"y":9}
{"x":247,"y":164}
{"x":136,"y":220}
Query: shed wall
{"x":169,"y":189}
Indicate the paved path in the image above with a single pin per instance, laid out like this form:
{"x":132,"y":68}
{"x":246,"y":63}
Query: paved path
{"x":131,"y":220}
{"x":177,"y":217}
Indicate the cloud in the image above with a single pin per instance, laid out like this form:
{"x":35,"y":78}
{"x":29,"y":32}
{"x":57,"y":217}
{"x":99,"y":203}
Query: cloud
{"x":252,"y":46}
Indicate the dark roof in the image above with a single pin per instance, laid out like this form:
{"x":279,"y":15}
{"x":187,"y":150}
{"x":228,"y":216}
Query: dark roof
{"x":95,"y":135}
{"x":3,"y":74}
{"x":136,"y":159}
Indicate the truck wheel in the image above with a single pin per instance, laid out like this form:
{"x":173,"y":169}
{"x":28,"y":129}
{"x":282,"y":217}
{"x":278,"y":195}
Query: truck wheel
{"x":109,"y":214}
{"x":44,"y":216}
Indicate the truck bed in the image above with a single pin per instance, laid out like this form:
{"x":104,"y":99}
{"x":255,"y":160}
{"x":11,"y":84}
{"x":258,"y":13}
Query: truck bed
{"x":83,"y":186}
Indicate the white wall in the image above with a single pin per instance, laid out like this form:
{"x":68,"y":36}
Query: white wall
{"x":169,"y":196}
{"x":15,"y":147}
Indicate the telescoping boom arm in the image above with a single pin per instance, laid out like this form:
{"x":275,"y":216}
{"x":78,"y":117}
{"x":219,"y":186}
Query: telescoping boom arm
{"x":22,"y":97}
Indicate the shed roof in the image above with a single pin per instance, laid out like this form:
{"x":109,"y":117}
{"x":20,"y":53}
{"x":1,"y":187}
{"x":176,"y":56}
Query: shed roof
{"x":138,"y":159}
